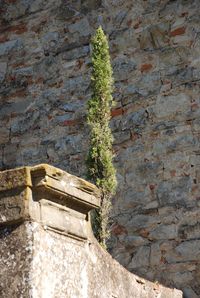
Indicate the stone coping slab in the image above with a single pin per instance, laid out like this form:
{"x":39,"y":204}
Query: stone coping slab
{"x":49,"y":196}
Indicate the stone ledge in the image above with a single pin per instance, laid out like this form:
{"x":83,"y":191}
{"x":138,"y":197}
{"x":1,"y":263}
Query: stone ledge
{"x":47,"y":195}
{"x":66,"y":186}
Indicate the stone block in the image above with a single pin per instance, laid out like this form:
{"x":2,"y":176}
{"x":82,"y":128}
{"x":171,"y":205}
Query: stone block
{"x":69,"y":144}
{"x":189,"y":250}
{"x":151,"y":205}
{"x":134,"y":241}
{"x":142,"y":221}
{"x":18,"y":108}
{"x":155,"y":255}
{"x":148,"y":170}
{"x":149,"y":85}
{"x":3,"y":70}
{"x":141,"y":258}
{"x":189,"y":293}
{"x":50,"y":42}
{"x":14,"y":179}
{"x":155,"y":36}
{"x":180,"y":277}
{"x":63,"y":219}
{"x":135,"y":119}
{"x":123,"y":67}
{"x":4,"y":135}
{"x":123,"y":40}
{"x":189,"y":230}
{"x":174,"y":192}
{"x":23,"y":71}
{"x":169,"y":105}
{"x":76,"y":53}
{"x":66,"y":12}
{"x":89,"y":5}
{"x":13,"y":207}
{"x":164,"y":232}
{"x":82,"y":27}
{"x":78,"y":84}
{"x":133,"y":198}
{"x":8,"y":46}
{"x":42,"y":193}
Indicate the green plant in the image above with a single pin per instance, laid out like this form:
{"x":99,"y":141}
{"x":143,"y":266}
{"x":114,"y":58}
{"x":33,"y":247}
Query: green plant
{"x":100,"y":157}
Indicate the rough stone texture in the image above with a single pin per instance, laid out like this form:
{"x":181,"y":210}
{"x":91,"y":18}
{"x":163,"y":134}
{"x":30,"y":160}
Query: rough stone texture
{"x":45,"y":253}
{"x":15,"y":259}
{"x":44,"y":75}
{"x":38,"y":193}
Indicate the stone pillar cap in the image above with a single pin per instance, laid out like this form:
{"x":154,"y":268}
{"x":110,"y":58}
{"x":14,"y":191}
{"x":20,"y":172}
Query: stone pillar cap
{"x":52,"y":179}
{"x":49,"y":196}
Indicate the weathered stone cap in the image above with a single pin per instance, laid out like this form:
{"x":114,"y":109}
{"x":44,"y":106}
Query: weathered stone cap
{"x":49,"y":196}
{"x":58,"y":181}
{"x":51,"y":179}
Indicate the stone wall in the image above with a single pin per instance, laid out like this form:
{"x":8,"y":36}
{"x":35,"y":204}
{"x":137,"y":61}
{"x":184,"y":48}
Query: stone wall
{"x":47,"y":248}
{"x":45,"y":83}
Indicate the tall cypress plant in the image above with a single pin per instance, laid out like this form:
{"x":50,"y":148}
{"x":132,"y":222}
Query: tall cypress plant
{"x":100,"y":157}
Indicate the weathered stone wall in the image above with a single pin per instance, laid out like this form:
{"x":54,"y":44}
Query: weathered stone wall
{"x":155,"y":45}
{"x":15,"y":254}
{"x":47,"y":249}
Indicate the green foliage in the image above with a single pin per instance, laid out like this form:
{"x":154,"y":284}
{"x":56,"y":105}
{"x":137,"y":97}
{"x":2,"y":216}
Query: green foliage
{"x":99,"y":161}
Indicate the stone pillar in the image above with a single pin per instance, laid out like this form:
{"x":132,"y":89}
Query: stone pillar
{"x":47,"y":249}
